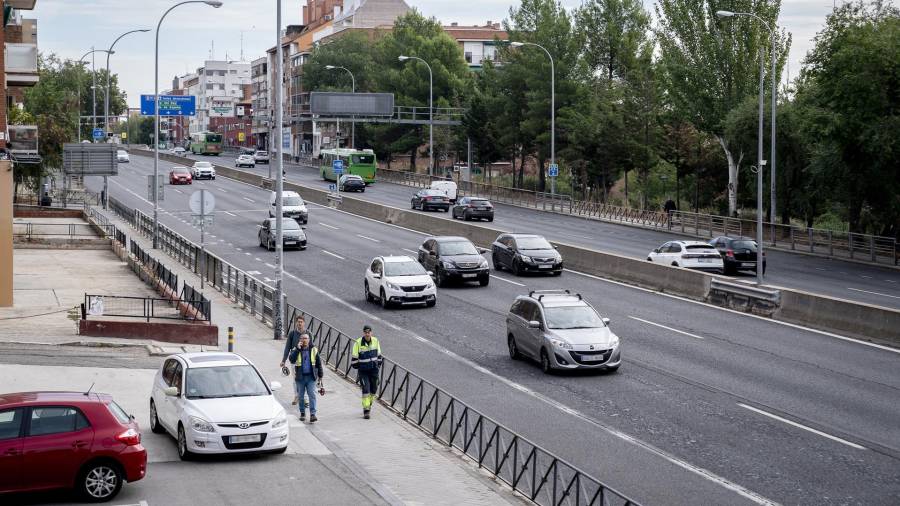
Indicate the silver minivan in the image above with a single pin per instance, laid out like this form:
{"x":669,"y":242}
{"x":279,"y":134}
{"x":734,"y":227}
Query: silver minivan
{"x":561,"y":331}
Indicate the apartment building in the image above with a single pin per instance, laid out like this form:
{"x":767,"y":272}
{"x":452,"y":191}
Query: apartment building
{"x":478,"y":43}
{"x":259,"y":102}
{"x":218,"y":86}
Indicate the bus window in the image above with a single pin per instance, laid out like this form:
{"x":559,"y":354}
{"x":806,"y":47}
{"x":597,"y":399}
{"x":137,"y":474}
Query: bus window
{"x":366,"y":159}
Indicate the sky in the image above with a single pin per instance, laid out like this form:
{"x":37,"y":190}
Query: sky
{"x":193,"y":33}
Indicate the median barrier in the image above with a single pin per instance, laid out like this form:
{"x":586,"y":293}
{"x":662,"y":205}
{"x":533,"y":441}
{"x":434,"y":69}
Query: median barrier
{"x":864,"y":321}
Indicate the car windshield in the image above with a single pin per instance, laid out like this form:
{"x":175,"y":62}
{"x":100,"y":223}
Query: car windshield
{"x":409,"y":268}
{"x":224,"y":381}
{"x":479,"y":202}
{"x":572,"y":317}
{"x":458,"y":248}
{"x":262,"y":153}
{"x":202,"y":165}
{"x":352,"y":178}
{"x":181,"y":172}
{"x":750,"y":245}
{"x":287,"y":224}
{"x":533,"y":243}
{"x":433,"y":193}
{"x":291,"y":201}
{"x":368,"y":159}
{"x":121,"y":152}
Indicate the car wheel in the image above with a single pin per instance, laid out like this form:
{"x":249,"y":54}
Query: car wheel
{"x":513,"y":348}
{"x":467,"y":217}
{"x":362,"y":191}
{"x":155,"y":426}
{"x":384,"y":300}
{"x":441,"y":280}
{"x":430,"y":303}
{"x":412,"y":204}
{"x":613,"y":368}
{"x":270,"y":246}
{"x":183,"y":452}
{"x":674,"y":264}
{"x":649,"y":259}
{"x":517,"y":268}
{"x":369,"y":297}
{"x":279,"y":451}
{"x":484,"y":281}
{"x":491,"y":218}
{"x":496,"y":261}
{"x":557,"y":273}
{"x":100,"y":481}
{"x":545,"y":362}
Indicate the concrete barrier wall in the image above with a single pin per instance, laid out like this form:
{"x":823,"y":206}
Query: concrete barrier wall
{"x":181,"y":333}
{"x":815,"y":311}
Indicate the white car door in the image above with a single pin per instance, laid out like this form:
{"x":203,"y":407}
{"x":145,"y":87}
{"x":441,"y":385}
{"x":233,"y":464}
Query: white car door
{"x":373,"y":277}
{"x":171,"y":406}
{"x":675,"y":252}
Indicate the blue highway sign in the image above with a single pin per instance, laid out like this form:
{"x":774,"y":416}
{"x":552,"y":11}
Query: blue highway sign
{"x":554,"y":170}
{"x":338,"y":167}
{"x":170,"y":105}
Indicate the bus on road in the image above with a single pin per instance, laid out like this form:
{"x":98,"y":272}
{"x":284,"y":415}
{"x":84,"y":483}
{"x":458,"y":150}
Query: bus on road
{"x":359,"y":162}
{"x":206,"y":143}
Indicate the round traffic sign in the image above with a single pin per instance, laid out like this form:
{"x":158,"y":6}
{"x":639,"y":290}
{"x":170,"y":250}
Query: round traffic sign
{"x":207,"y":199}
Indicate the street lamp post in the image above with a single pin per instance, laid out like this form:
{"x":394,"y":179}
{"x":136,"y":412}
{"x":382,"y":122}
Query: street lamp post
{"x":759,"y":155}
{"x":352,"y":90}
{"x":213,"y":3}
{"x":278,"y":320}
{"x":80,"y":62}
{"x":552,"y":108}
{"x":106,"y":109}
{"x":430,"y":111}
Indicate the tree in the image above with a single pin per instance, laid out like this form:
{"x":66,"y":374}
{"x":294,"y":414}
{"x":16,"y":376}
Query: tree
{"x":711,"y":66}
{"x":615,"y":31}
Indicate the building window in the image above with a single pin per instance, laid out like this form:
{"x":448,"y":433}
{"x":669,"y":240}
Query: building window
{"x":468,"y":56}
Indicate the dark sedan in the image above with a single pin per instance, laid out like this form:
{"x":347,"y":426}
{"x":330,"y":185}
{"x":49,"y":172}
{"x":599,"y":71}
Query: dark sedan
{"x":470,"y":208}
{"x":430,"y":199}
{"x":454,"y":258}
{"x":738,"y":253}
{"x":352,"y":183}
{"x":523,"y":253}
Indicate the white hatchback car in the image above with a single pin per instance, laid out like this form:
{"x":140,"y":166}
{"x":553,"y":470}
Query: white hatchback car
{"x":217,"y":403}
{"x":399,"y":280}
{"x":689,"y":254}
{"x":122,"y":156}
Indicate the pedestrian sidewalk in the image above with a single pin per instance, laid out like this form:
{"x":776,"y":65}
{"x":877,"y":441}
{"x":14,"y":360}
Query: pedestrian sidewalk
{"x":402,"y":464}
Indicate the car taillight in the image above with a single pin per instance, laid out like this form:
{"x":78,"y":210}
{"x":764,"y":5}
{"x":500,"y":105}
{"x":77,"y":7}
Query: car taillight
{"x":130,"y":437}
{"x":729,"y":253}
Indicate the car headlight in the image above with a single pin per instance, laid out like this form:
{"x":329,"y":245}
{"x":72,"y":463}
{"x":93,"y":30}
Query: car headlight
{"x":302,"y":209}
{"x":201,"y":425}
{"x":392,"y":286}
{"x":279,"y":421}
{"x":429,"y":286}
{"x":613,"y":341}
{"x":448,"y":265}
{"x":525,"y":258}
{"x":559,"y":343}
{"x":483,"y":263}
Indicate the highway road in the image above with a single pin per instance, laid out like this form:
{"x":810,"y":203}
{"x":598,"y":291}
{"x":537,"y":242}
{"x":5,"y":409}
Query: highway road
{"x":710,"y":405}
{"x":836,"y":278}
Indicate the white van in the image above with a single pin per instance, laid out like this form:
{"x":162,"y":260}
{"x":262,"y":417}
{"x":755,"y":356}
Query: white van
{"x":448,"y":187}
{"x":292,"y":206}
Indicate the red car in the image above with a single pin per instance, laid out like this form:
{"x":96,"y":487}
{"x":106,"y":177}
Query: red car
{"x":75,"y":440}
{"x":180,"y":175}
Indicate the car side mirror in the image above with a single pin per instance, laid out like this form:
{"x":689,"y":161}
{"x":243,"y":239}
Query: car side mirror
{"x":534,"y":324}
{"x":606,"y":321}
{"x":376,"y":276}
{"x":171,"y":391}
{"x":555,"y":247}
{"x":656,"y":250}
{"x":482,"y":251}
{"x":430,"y":273}
{"x":275,"y":385}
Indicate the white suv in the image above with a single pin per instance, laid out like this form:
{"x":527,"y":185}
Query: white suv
{"x":217,"y":403}
{"x":399,"y":280}
{"x":203,"y":170}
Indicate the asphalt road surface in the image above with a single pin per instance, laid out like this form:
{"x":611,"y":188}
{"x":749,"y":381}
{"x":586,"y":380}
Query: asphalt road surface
{"x":869,"y":284}
{"x":709,"y":406}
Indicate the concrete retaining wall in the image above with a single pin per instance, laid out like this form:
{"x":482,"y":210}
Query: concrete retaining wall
{"x":45,"y":212}
{"x":182,"y":333}
{"x":855,"y":319}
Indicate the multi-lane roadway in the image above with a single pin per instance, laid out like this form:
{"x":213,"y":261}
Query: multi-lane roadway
{"x":869,"y":284}
{"x":710,"y":405}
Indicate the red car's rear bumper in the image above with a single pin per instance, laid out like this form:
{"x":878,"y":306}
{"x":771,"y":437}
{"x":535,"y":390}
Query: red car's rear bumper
{"x":134,"y":462}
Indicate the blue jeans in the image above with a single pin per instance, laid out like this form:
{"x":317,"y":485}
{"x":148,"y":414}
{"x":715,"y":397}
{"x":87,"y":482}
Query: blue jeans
{"x":306,"y":384}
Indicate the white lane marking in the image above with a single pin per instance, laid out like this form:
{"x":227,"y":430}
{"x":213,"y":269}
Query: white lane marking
{"x":328,"y":226}
{"x":664,"y":327}
{"x":801,"y":426}
{"x":874,"y":293}
{"x":333,"y":254}
{"x":748,"y":315}
{"x":223,"y":190}
{"x":179,"y":191}
{"x":890,"y":280}
{"x":270,"y":266}
{"x":239,"y":249}
{"x":230,"y":214}
{"x":820,"y":268}
{"x":212,"y":236}
{"x":865,"y":277}
{"x":257,"y":259}
{"x":247,"y":253}
{"x":508,"y":281}
{"x":410,"y":251}
{"x":253,"y":273}
{"x":248,"y":199}
{"x":703,"y":473}
{"x":367,"y":238}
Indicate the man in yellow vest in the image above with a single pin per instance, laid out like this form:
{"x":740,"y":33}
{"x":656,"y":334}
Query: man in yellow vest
{"x":308,"y":373}
{"x":366,"y":359}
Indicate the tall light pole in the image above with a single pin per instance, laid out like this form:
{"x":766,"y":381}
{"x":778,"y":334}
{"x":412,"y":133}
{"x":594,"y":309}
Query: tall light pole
{"x":278,"y":320}
{"x":213,"y":3}
{"x":430,"y":111}
{"x":81,"y":62}
{"x":552,"y":107}
{"x":759,"y":152}
{"x":352,"y":90}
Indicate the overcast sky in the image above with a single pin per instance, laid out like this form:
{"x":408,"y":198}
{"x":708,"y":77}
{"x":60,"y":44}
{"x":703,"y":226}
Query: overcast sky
{"x":192,"y":33}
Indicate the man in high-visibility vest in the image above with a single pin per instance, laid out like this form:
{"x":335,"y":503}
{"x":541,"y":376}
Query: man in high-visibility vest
{"x":366,"y":359}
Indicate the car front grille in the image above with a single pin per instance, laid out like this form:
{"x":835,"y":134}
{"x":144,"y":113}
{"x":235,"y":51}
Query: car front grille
{"x":244,"y":446}
{"x":544,"y":260}
{"x":584,"y":357}
{"x":467,"y":265}
{"x":237,"y":426}
{"x":418,"y":288}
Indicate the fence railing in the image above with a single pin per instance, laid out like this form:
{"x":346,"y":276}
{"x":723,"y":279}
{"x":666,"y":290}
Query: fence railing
{"x":159,"y":270}
{"x":60,"y":197}
{"x":31,"y":230}
{"x":197,"y":300}
{"x":145,"y":308}
{"x":520,"y":463}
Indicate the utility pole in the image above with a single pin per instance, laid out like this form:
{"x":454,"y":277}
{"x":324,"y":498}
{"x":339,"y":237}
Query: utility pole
{"x":278,"y":323}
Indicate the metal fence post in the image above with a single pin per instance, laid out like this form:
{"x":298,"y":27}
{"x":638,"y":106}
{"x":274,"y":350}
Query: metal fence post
{"x":872,"y":246}
{"x":830,"y":244}
{"x":811,"y":240}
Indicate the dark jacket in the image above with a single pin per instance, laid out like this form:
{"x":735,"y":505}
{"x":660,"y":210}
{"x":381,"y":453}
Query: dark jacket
{"x":316,"y":365}
{"x":290,"y":343}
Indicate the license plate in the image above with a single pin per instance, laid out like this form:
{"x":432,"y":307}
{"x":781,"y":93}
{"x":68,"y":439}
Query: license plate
{"x":469,"y":275}
{"x":592,"y":358}
{"x":706,"y":260}
{"x":290,"y":242}
{"x":482,"y":208}
{"x":750,"y":264}
{"x":251,"y":438}
{"x":546,"y":266}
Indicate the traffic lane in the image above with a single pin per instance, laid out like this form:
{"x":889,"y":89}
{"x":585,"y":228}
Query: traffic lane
{"x":356,"y":247}
{"x":670,"y":480}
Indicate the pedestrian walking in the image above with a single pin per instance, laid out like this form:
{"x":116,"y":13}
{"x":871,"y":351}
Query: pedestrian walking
{"x":290,"y":343}
{"x":366,"y":359}
{"x":308,"y":374}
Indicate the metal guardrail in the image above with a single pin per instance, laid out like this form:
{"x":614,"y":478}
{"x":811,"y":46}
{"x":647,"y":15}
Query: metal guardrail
{"x":159,"y":270}
{"x":30,"y":230}
{"x":197,"y":300}
{"x":527,"y":468}
{"x":134,"y":307}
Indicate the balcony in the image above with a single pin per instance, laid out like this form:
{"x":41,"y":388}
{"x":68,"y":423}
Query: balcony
{"x":21,"y":64}
{"x":25,"y":5}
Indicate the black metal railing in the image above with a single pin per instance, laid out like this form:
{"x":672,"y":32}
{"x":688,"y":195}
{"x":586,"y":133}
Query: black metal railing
{"x":145,"y":308}
{"x":527,"y":468}
{"x":197,"y":300}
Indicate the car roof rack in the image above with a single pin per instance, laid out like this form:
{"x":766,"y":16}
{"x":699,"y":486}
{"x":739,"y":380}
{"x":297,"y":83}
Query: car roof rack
{"x":542,"y":293}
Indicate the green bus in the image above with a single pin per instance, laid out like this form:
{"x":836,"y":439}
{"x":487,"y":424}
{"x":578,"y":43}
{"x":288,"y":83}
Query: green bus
{"x":206,"y":143}
{"x":359,"y":162}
